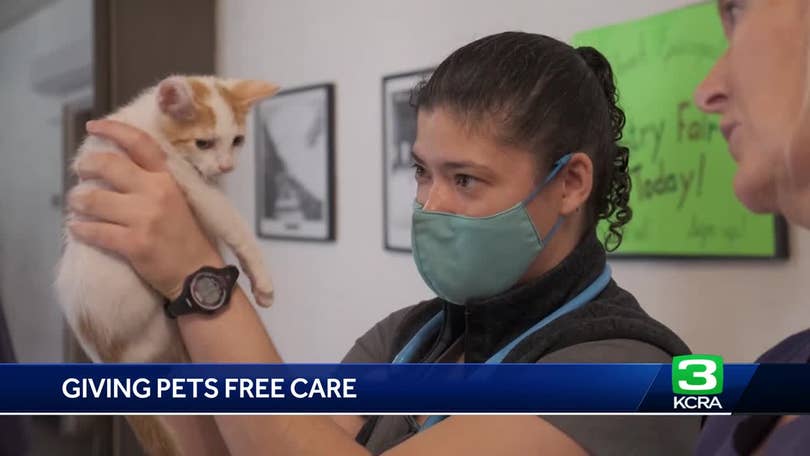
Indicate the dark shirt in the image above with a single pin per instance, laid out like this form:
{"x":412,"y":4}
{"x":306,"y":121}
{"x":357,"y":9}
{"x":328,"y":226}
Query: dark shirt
{"x":610,"y":329}
{"x":742,"y":435}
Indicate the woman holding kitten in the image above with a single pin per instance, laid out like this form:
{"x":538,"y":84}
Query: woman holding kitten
{"x":516,"y":162}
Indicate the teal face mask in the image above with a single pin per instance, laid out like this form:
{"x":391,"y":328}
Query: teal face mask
{"x":461,"y":257}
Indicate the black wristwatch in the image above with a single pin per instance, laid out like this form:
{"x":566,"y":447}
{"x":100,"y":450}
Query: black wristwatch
{"x":206,"y":291}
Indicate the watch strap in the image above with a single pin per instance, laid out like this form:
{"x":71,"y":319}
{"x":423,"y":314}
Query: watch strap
{"x":185,"y":303}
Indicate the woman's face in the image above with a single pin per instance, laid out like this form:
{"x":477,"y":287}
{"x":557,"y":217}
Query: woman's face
{"x":464,"y":172}
{"x":758,"y":89}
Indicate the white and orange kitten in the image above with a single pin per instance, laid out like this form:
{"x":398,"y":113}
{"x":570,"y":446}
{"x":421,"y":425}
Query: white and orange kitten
{"x":199,"y":121}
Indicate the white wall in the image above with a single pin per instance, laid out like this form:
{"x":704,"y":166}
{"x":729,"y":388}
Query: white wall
{"x":330,"y":294}
{"x":30,"y":173}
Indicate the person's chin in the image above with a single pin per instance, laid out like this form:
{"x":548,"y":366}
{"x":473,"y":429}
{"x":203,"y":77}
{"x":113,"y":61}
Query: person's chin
{"x":756,"y":193}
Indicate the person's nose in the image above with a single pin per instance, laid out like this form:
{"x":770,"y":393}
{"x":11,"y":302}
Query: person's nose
{"x":712,"y":94}
{"x":438,"y":200}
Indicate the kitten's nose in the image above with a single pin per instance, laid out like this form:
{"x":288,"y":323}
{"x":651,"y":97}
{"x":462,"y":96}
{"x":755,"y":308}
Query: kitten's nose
{"x":226,"y":167}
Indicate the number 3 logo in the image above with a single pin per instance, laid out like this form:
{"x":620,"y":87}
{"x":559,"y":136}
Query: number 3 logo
{"x":697,"y":374}
{"x":709,"y":380}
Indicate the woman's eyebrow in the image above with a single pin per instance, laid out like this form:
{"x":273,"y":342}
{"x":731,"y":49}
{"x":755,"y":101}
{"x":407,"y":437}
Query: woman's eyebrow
{"x":454,"y":165}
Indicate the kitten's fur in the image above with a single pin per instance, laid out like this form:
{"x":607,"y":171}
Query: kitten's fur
{"x":115,"y":315}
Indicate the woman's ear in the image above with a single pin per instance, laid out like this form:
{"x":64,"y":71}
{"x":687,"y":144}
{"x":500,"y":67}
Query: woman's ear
{"x":577,"y":181}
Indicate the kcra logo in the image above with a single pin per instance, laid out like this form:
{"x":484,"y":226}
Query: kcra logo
{"x":696,"y":380}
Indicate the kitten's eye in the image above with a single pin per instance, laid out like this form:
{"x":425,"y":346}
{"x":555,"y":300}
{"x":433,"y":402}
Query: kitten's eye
{"x":204,"y":144}
{"x":238,"y":141}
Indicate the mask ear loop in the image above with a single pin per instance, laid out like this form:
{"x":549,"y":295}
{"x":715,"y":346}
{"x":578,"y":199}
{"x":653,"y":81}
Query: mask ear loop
{"x":553,"y":229}
{"x":555,"y":169}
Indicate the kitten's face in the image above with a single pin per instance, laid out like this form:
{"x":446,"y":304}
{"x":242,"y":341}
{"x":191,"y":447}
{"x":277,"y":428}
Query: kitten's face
{"x":204,"y":118}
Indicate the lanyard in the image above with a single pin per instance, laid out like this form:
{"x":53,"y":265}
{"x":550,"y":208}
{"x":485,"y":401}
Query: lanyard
{"x":432,"y":327}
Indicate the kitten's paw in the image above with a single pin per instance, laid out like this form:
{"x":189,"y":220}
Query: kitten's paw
{"x":264,"y":294}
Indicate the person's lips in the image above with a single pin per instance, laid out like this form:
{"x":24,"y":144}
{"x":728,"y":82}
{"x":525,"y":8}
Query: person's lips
{"x":728,"y":129}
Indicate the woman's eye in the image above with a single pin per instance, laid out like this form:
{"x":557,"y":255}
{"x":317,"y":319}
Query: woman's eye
{"x":238,"y":141}
{"x":732,"y":11}
{"x":204,"y":144}
{"x":418,"y":171}
{"x":463,"y":180}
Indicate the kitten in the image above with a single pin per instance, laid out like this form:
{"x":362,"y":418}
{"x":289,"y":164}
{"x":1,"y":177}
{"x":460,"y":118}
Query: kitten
{"x":199,"y":121}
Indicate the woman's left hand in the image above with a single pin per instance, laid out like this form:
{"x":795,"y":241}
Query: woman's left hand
{"x":145,"y":216}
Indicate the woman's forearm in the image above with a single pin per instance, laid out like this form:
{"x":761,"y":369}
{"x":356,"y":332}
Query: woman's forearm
{"x":237,"y":335}
{"x":234,"y":335}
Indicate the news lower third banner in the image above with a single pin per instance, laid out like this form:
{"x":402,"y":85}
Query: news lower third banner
{"x":698,"y":384}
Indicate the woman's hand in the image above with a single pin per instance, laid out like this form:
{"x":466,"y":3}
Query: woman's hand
{"x":145,"y":217}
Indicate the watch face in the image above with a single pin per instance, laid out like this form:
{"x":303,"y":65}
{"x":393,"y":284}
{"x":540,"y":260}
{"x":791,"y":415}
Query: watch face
{"x":208,"y":291}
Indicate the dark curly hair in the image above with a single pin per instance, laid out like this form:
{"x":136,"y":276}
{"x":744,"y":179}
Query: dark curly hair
{"x":544,"y":95}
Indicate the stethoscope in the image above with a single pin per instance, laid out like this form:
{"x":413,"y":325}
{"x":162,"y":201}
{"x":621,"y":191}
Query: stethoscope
{"x":431,"y":329}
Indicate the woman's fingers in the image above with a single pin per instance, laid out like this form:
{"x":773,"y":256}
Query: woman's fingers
{"x":143,"y":150}
{"x":115,"y":169}
{"x":105,"y":205}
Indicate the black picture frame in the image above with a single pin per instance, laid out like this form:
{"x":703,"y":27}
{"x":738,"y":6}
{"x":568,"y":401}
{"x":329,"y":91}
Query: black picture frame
{"x":287,"y":170}
{"x":781,"y":250}
{"x":398,"y":134}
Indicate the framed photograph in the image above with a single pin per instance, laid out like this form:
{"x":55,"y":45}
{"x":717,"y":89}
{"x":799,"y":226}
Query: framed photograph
{"x":399,"y":134}
{"x":295,"y":148}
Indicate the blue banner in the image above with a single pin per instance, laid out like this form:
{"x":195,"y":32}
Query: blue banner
{"x":686,"y":386}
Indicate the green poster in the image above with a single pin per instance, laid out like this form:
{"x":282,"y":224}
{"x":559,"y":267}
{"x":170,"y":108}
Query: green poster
{"x":682,"y":198}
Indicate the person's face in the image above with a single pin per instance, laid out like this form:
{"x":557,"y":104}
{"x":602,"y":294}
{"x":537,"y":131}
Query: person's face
{"x":758,"y":89}
{"x":465,"y":172}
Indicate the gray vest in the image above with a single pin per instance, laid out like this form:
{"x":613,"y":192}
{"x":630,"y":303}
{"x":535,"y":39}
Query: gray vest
{"x":484,"y":326}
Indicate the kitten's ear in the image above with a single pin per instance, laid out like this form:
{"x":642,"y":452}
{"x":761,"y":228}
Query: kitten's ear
{"x":249,"y":91}
{"x":176,"y":99}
